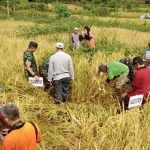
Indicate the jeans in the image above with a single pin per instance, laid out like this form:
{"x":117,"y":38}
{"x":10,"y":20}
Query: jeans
{"x":61,"y":89}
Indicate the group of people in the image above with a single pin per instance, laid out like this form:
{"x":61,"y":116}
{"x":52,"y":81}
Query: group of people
{"x":86,"y":35}
{"x":59,"y":72}
{"x":135,"y":71}
{"x":21,"y":135}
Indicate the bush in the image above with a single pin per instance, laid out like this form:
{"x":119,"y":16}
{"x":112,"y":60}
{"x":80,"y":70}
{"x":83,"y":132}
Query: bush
{"x":103,"y":11}
{"x":37,"y":6}
{"x":87,"y":6}
{"x":129,"y":6}
{"x":3,"y":16}
{"x":63,"y":11}
{"x":96,"y":1}
{"x":83,"y":1}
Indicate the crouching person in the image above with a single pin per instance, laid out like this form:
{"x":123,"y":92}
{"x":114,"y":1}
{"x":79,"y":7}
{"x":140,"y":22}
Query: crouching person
{"x":21,"y":136}
{"x":129,"y":62}
{"x":140,"y":84}
{"x":115,"y":70}
{"x":43,"y":70}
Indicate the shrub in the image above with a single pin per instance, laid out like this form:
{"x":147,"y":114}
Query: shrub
{"x":87,"y":6}
{"x":37,"y":6}
{"x":129,"y":6}
{"x":63,"y":11}
{"x":96,"y":1}
{"x":83,"y":1}
{"x":103,"y":11}
{"x":3,"y":16}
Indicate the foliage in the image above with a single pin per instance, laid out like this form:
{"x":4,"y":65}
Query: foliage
{"x":129,"y":6}
{"x":3,"y":16}
{"x":62,"y":11}
{"x":37,"y":6}
{"x":147,"y":1}
{"x":103,"y":11}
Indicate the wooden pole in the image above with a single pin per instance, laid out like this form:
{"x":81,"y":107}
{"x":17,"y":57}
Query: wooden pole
{"x":8,"y":8}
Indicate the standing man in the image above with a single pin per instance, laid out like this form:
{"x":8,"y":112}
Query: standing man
{"x":147,"y":52}
{"x":21,"y":136}
{"x":30,"y":67}
{"x":115,"y":69}
{"x":60,"y":73}
{"x":140,"y":84}
{"x":43,"y":70}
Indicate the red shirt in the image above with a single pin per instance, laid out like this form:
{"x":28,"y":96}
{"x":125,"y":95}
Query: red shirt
{"x":141,"y":82}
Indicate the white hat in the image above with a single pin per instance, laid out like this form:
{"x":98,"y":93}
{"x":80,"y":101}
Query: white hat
{"x":76,"y":29}
{"x":59,"y":45}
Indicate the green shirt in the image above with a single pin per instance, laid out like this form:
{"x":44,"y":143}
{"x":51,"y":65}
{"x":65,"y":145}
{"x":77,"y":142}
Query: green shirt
{"x":28,"y":58}
{"x":115,"y":69}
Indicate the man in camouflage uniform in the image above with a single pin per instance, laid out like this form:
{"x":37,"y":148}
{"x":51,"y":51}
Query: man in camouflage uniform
{"x":128,"y":61}
{"x":30,"y":67}
{"x":43,"y":70}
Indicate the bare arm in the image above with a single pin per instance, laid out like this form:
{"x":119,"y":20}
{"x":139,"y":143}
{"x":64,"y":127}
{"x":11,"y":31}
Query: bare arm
{"x":128,"y":91}
{"x":110,"y":82}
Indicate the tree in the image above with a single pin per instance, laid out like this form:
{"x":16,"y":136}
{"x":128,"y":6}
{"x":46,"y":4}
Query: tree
{"x":147,"y":1}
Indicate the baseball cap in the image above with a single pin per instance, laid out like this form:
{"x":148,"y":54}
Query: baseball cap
{"x":101,"y":67}
{"x":59,"y":45}
{"x":138,"y":59}
{"x":76,"y":29}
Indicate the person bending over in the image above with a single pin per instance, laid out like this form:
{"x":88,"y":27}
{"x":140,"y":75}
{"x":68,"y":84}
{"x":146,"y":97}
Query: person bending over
{"x":115,"y":70}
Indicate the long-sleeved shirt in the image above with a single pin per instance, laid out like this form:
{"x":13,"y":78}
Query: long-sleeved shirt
{"x":75,"y":40}
{"x":147,"y":54}
{"x":60,"y":66}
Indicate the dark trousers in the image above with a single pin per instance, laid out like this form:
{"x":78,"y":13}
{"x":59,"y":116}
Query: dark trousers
{"x":125,"y":101}
{"x":61,"y":89}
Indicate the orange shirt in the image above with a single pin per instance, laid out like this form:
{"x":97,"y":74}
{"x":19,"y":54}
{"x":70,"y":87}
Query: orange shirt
{"x":23,"y":138}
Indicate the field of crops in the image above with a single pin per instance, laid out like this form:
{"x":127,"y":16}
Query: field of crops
{"x":88,"y":121}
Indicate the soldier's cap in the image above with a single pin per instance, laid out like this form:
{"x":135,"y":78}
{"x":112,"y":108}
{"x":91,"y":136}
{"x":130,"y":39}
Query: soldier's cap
{"x":33,"y":44}
{"x":59,"y":45}
{"x":101,"y":67}
{"x":76,"y":29}
{"x":138,"y":59}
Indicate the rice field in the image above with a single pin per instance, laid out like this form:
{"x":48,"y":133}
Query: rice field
{"x":88,"y":121}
